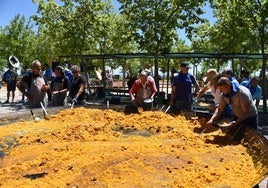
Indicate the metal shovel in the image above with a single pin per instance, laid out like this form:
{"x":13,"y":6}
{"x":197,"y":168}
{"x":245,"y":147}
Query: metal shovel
{"x":195,"y":107}
{"x":161,"y":109}
{"x":44,"y":111}
{"x":167,"y":109}
{"x":72,"y":105}
{"x":204,"y":130}
{"x":36,"y":119}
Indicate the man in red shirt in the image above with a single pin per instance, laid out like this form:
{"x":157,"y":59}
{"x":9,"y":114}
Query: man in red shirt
{"x":143,"y":88}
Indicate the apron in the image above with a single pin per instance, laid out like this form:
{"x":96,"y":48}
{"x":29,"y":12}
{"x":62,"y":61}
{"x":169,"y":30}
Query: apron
{"x":58,"y":99}
{"x":37,"y":93}
{"x":144,"y":93}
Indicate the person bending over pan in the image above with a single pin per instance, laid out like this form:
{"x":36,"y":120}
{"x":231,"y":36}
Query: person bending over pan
{"x":142,"y":89}
{"x":244,"y":109}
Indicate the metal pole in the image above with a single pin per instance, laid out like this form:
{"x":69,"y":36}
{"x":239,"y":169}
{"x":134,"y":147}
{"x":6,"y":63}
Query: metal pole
{"x":103,"y":64}
{"x":168,"y":67}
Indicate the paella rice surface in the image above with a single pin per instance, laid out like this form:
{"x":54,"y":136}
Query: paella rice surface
{"x":104,"y":148}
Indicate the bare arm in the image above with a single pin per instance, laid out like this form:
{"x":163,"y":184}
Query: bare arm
{"x":81,"y":89}
{"x":173,"y":95}
{"x":197,"y":88}
{"x":152,"y":96}
{"x":132,"y":98}
{"x":217,"y":112}
{"x":202,"y":92}
{"x":22,"y":86}
{"x":154,"y":89}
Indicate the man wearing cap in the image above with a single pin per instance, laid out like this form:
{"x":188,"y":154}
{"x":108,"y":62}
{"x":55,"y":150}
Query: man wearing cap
{"x":182,"y":89}
{"x":59,"y":87}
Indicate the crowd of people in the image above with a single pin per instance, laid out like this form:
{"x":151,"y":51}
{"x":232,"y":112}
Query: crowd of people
{"x":49,"y":87}
{"x":234,"y":101}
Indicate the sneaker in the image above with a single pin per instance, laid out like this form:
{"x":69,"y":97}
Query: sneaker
{"x":6,"y":102}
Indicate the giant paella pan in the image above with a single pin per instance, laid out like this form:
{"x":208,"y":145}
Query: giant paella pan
{"x":104,"y":148}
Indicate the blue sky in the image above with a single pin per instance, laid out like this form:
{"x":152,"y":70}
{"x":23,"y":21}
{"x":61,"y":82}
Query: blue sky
{"x":9,"y":8}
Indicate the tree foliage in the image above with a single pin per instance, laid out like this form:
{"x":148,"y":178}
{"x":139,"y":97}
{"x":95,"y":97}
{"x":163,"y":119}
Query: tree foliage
{"x":17,"y":39}
{"x":84,"y":27}
{"x":154,"y":24}
{"x":240,"y":28}
{"x":94,"y":27}
{"x":72,"y":25}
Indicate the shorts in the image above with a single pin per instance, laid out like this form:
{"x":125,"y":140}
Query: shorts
{"x":11,"y":86}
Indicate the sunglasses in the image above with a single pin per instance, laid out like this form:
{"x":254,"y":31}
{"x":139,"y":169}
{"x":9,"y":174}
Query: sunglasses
{"x":74,"y":71}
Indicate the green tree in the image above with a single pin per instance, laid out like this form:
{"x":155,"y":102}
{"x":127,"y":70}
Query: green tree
{"x":78,"y":27}
{"x":17,"y":39}
{"x":154,"y":23}
{"x":240,"y":24}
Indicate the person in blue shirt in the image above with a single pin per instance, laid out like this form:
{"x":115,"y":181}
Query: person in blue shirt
{"x":182,"y":89}
{"x":48,"y":75}
{"x":228,"y":73}
{"x":68,"y":73}
{"x":10,"y":77}
{"x":245,"y":76}
{"x":254,"y":88}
